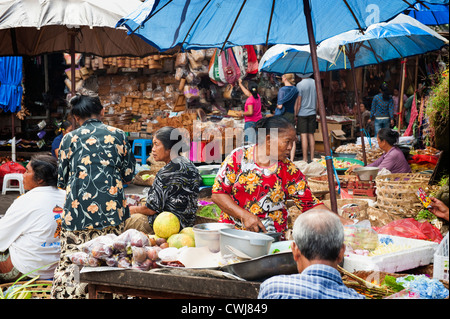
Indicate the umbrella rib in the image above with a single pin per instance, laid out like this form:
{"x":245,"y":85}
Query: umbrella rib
{"x":270,"y":22}
{"x":234,"y":23}
{"x":354,"y":16}
{"x":198,"y":16}
{"x":150,"y":16}
{"x":373,"y":51}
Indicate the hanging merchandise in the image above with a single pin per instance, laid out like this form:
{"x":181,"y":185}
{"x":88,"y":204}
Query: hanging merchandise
{"x":240,"y":60}
{"x":252,"y":60}
{"x":230,"y":68}
{"x":11,"y":89}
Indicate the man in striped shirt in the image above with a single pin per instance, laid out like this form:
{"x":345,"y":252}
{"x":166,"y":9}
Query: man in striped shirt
{"x":318,"y":248}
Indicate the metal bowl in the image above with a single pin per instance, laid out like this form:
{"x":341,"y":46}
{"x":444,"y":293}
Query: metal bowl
{"x":366,"y":173}
{"x":207,"y":234}
{"x":261,"y":268}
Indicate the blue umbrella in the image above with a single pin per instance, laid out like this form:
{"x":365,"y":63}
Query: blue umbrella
{"x":401,"y":37}
{"x":196,"y":24}
{"x":435,"y":14}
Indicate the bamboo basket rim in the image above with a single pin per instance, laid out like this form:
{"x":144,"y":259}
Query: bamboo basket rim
{"x":39,"y":289}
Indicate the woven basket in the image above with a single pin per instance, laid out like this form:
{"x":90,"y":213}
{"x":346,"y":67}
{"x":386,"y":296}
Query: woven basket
{"x":40,"y":289}
{"x":320,"y":183}
{"x":139,"y":181}
{"x":396,"y":193}
{"x":359,"y":212}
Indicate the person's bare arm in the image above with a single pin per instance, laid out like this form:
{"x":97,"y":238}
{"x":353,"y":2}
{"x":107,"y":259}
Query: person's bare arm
{"x":250,"y":221}
{"x":144,"y":210}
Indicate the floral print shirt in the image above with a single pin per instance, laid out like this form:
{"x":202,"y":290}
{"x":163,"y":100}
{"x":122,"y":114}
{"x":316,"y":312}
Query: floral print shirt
{"x":94,"y":162}
{"x":262,"y":191}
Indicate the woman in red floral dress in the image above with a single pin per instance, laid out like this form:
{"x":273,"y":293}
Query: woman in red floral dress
{"x":254,"y":181}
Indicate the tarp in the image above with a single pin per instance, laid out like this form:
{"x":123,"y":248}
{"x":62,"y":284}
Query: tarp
{"x":11,"y":84}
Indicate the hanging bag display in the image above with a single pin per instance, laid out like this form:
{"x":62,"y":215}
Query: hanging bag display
{"x":252,"y":61}
{"x":229,"y":68}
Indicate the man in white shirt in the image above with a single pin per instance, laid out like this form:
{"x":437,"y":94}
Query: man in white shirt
{"x":29,"y":230}
{"x":305,"y":111}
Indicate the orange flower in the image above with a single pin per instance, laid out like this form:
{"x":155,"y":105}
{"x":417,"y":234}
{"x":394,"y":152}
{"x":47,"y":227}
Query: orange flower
{"x":109,"y":139}
{"x":111,"y":205}
{"x":91,"y":141}
{"x":86,"y":160}
{"x":255,"y":209}
{"x":75,"y":203}
{"x":93,"y":208}
{"x":82,"y":175}
{"x":113,"y":190}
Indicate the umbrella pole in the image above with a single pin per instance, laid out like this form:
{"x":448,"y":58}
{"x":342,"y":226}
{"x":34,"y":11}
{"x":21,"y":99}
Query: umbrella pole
{"x":402,"y":89}
{"x":72,"y":62}
{"x":323,"y":119}
{"x":358,"y":111}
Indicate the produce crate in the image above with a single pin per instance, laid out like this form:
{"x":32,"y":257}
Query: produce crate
{"x":420,"y":253}
{"x":440,"y":267}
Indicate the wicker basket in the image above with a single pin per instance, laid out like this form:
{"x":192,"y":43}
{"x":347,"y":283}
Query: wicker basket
{"x":359,"y":212}
{"x":396,"y":193}
{"x":141,"y":182}
{"x":320,"y":183}
{"x":40,"y":289}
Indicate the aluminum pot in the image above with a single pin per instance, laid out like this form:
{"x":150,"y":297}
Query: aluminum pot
{"x":251,"y":243}
{"x":207,"y":234}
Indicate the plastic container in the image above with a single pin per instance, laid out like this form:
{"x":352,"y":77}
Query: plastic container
{"x":207,"y":234}
{"x":440,"y":263}
{"x":251,"y":243}
{"x":208,"y":180}
{"x":420,"y":253}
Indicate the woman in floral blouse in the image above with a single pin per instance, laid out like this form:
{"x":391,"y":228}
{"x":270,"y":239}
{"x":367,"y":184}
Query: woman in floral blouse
{"x":255,"y":181}
{"x":95,"y":161}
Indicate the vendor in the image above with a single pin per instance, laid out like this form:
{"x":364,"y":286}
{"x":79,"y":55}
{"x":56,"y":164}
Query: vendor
{"x":175,"y":188}
{"x":393,"y":158}
{"x":254,"y":181}
{"x":29,"y":231}
{"x":65,"y":128}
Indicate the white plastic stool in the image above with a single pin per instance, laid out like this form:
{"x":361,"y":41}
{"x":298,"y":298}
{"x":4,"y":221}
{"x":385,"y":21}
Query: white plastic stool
{"x":7,"y":183}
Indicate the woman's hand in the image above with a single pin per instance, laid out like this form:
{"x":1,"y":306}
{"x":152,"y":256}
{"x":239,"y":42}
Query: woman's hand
{"x":252,"y":222}
{"x":438,"y":208}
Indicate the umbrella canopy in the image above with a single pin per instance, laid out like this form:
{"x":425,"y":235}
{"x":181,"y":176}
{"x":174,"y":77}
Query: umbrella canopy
{"x":31,"y":27}
{"x":432,"y":14}
{"x":401,"y":37}
{"x":227,"y":23}
{"x":216,"y":23}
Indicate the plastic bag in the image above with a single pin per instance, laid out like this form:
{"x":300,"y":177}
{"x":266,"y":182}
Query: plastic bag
{"x":411,"y":228}
{"x":8,"y":168}
{"x":360,"y":236}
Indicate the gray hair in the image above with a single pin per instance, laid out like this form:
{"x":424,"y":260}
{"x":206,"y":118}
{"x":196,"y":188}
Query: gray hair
{"x":319,"y":234}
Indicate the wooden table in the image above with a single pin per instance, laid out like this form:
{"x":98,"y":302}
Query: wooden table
{"x":159,"y":285}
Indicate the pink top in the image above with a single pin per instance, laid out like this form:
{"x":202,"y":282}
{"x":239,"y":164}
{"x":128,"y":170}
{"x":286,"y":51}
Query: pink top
{"x":256,"y":109}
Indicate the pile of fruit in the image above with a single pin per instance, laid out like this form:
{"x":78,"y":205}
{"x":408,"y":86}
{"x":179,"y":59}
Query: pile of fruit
{"x":338,"y":163}
{"x":134,"y":249}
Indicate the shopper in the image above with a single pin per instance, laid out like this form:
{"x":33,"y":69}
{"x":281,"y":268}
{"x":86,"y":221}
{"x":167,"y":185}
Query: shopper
{"x":29,"y":230}
{"x":65,"y":128}
{"x":306,"y":113}
{"x":318,"y":248}
{"x":95,"y":161}
{"x":252,"y":111}
{"x":287,"y":96}
{"x":382,"y":109}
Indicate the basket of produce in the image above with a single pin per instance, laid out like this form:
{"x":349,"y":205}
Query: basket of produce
{"x":350,"y":208}
{"x":144,"y":178}
{"x":396,"y":193}
{"x":32,"y":289}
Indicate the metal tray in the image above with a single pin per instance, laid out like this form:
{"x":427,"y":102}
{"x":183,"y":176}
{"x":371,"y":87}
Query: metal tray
{"x":261,"y":268}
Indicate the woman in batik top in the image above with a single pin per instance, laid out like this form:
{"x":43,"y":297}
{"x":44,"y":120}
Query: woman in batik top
{"x":95,"y":161}
{"x":254,"y":182}
{"x":175,"y":188}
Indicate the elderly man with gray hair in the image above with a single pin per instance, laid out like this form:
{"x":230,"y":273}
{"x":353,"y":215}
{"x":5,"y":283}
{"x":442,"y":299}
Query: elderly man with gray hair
{"x":318,"y":248}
